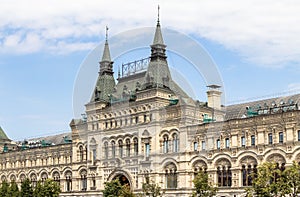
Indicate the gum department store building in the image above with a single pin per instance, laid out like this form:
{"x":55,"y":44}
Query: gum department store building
{"x":146,"y":128}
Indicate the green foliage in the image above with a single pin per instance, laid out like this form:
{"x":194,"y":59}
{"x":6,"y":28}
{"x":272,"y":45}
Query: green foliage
{"x":126,"y":192}
{"x":114,"y":188}
{"x":38,"y":190}
{"x":292,"y":177}
{"x":152,"y":190}
{"x":49,"y":188}
{"x":271,"y":181}
{"x":202,"y":186}
{"x":13,"y":190}
{"x":26,"y":188}
{"x":4,"y":188}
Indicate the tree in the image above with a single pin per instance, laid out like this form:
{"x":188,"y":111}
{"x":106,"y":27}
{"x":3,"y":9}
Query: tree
{"x":38,"y":190}
{"x":26,"y":188}
{"x":51,"y":188}
{"x":13,"y":190}
{"x":4,"y":188}
{"x":292,"y":176}
{"x":114,"y":188}
{"x":126,"y":192}
{"x":269,"y":181}
{"x":152,"y":190}
{"x":202,"y":186}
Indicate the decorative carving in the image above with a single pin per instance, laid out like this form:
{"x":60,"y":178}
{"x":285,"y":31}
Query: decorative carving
{"x":276,"y":158}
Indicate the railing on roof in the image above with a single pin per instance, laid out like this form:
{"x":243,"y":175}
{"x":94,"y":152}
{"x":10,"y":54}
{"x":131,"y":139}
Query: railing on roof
{"x":282,"y":107}
{"x":134,"y":67}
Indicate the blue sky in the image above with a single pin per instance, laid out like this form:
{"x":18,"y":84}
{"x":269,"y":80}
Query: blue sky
{"x":254,"y":44}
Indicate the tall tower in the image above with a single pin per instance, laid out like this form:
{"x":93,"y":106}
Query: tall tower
{"x":105,"y":82}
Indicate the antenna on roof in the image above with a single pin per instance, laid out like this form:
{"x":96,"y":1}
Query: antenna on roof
{"x":158,"y":13}
{"x":106,"y":33}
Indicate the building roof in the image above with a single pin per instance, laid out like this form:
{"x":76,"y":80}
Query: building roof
{"x":54,"y":139}
{"x":3,"y":136}
{"x":240,"y":111}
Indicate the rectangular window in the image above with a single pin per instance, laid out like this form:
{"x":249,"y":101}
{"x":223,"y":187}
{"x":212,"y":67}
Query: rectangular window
{"x":136,"y":119}
{"x":298,"y":135}
{"x":270,"y":136}
{"x":280,"y":137}
{"x":94,"y":156}
{"x":195,"y":146}
{"x":145,"y":118}
{"x":227,"y":142}
{"x":243,"y":141}
{"x":218,"y":144}
{"x":252,"y":140}
{"x":147,"y":149}
{"x":203,"y":145}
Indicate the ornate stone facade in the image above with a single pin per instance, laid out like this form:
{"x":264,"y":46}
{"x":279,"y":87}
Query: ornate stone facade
{"x":146,"y":129}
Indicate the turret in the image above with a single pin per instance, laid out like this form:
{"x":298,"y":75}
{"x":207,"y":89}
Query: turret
{"x":106,"y":82}
{"x":158,"y":73}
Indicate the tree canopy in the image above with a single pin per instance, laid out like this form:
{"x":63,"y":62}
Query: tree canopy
{"x":202,"y":186}
{"x":114,"y":188}
{"x":272,"y":180}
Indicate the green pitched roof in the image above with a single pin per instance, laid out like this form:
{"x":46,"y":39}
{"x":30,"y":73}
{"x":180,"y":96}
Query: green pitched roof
{"x":3,"y":135}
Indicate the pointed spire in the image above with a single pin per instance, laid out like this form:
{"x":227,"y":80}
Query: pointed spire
{"x":106,"y":52}
{"x":158,"y":39}
{"x":106,"y":65}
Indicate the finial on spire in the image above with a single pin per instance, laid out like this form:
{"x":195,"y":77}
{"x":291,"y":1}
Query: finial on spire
{"x":106,"y":33}
{"x":158,"y":13}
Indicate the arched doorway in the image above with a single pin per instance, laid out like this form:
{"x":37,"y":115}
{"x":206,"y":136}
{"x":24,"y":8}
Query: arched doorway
{"x":122,"y":176}
{"x":122,"y":179}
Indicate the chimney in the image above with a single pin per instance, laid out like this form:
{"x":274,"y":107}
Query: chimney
{"x":214,"y":97}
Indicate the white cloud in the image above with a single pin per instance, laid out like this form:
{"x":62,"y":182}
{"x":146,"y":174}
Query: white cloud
{"x":294,"y":87}
{"x":264,"y":32}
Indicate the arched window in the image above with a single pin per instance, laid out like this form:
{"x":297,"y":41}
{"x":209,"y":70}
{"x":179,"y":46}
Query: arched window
{"x":199,"y":166}
{"x":22,"y":178}
{"x":120,"y":148}
{"x":113,"y":149}
{"x":136,"y":146}
{"x":68,"y":181}
{"x":166,"y":144}
{"x":128,"y":148}
{"x":44,"y":176}
{"x":56,"y":177}
{"x":106,"y":150}
{"x":175,"y":143}
{"x":12,"y":178}
{"x":224,"y":174}
{"x":81,"y":153}
{"x":33,"y":180}
{"x":171,"y":176}
{"x":247,"y":174}
{"x":83,"y":178}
